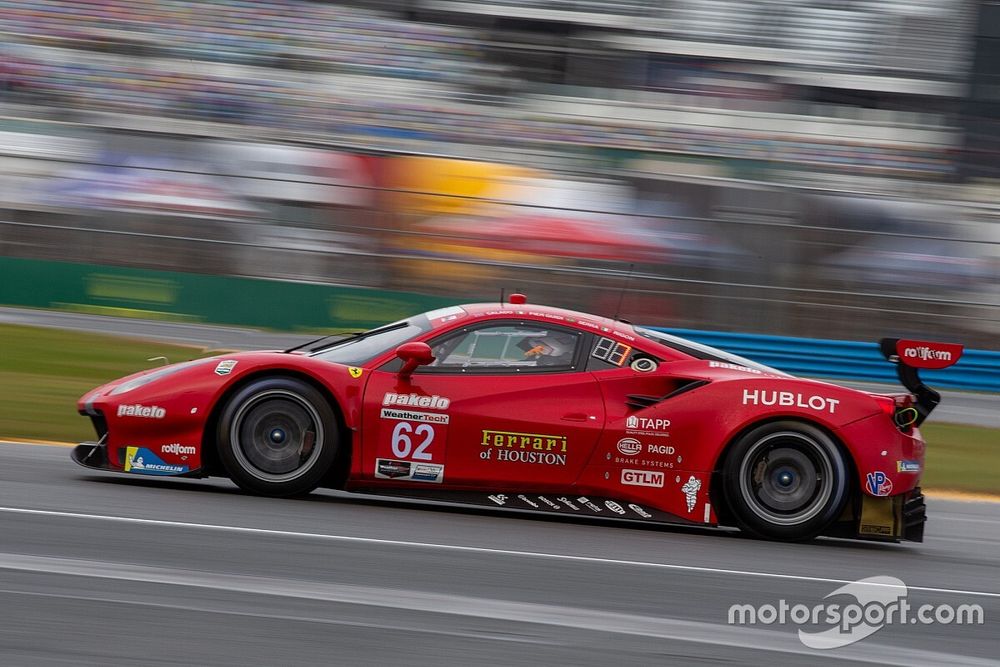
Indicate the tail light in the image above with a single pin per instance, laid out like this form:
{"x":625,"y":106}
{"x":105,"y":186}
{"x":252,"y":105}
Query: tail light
{"x":900,"y":409}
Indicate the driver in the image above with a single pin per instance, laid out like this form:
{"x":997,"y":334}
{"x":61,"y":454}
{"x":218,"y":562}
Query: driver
{"x":548,"y":349}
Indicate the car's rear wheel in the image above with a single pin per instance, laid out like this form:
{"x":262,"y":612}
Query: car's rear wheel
{"x":278,"y":436}
{"x":786,"y":481}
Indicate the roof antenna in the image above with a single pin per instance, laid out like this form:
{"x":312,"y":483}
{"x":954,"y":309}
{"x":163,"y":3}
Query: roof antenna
{"x":621,"y":296}
{"x":501,"y":296}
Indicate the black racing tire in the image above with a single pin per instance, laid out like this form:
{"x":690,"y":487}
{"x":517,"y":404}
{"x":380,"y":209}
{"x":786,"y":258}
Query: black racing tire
{"x":278,"y":436}
{"x":786,"y":481}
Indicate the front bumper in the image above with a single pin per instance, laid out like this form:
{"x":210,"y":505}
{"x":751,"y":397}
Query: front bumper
{"x":93,"y":455}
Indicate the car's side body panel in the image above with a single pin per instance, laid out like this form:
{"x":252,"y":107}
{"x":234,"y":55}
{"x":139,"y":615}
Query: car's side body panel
{"x":633,"y":440}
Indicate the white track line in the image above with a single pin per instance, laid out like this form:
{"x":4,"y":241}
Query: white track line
{"x":468,"y":549}
{"x":490,"y":609}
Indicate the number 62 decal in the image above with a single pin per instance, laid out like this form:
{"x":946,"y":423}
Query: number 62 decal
{"x":405,"y":434}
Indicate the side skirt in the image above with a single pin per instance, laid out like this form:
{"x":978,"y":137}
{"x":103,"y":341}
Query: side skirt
{"x":544,"y":503}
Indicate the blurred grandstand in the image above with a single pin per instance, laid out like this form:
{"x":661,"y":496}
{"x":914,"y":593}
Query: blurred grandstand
{"x":748,"y":159}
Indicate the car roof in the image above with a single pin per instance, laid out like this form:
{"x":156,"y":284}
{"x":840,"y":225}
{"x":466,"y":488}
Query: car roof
{"x":572,"y":318}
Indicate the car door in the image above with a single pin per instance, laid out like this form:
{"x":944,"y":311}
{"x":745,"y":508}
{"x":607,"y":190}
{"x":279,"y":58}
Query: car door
{"x":506,"y":405}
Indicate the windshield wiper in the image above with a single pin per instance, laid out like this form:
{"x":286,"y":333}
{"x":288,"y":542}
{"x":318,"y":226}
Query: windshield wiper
{"x":337,"y":338}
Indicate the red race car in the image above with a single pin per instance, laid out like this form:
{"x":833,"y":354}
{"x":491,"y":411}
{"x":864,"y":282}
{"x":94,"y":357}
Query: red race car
{"x":537,"y":409}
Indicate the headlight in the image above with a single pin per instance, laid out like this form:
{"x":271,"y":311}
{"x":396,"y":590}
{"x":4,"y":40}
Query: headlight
{"x":143,"y":380}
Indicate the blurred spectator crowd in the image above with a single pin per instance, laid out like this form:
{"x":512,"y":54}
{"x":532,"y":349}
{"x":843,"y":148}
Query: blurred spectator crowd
{"x":280,"y":65}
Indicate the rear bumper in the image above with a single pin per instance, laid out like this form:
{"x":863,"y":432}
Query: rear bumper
{"x":894,"y":518}
{"x":914,"y":515}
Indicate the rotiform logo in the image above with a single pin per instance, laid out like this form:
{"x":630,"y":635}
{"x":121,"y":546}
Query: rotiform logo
{"x":926,"y":353}
{"x":177,"y":448}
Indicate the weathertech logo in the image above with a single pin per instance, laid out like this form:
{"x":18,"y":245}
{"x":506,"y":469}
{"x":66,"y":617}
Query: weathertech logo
{"x":149,"y":411}
{"x":413,"y":416}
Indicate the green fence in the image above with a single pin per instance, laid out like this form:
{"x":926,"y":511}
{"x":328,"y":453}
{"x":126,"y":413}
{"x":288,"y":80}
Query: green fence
{"x":194,"y":297}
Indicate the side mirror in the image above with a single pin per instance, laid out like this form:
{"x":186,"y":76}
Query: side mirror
{"x":414,"y":355}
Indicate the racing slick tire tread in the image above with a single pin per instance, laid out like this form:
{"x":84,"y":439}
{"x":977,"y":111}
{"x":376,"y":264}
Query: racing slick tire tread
{"x":825,"y":514}
{"x":240,"y":471}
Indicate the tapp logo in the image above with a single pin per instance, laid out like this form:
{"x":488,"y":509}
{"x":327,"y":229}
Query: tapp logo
{"x":416,"y":401}
{"x":137,"y":410}
{"x":643,"y":478}
{"x":645,"y":422}
{"x":788,"y":399}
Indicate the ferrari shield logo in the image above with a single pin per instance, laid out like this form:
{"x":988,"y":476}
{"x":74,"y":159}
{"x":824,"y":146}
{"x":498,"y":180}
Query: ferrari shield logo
{"x":355,"y":372}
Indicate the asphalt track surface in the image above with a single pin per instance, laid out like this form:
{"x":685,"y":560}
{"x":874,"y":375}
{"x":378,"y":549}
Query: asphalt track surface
{"x":980,"y":409}
{"x":103,"y":569}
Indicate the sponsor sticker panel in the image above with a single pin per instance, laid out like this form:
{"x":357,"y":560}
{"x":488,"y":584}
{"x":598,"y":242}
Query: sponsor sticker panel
{"x":573,"y":505}
{"x":142,"y":461}
{"x":409,"y":471}
{"x":529,"y":448}
{"x":413,"y":432}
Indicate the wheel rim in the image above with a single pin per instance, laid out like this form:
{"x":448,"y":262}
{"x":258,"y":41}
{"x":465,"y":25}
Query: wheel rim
{"x":277,"y":436}
{"x":786,"y":478}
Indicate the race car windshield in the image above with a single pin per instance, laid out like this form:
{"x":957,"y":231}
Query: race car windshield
{"x":700,"y":351}
{"x":360,"y":348}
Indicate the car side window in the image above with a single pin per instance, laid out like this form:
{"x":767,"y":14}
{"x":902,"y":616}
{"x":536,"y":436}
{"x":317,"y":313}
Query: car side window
{"x":507,"y":346}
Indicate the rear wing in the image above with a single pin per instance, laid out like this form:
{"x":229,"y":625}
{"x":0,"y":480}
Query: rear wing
{"x":912,"y":355}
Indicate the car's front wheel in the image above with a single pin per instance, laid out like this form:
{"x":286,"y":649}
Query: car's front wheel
{"x":277,"y":436}
{"x":786,"y":480}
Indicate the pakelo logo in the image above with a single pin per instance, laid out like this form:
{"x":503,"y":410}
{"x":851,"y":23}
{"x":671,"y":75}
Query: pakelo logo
{"x":643,"y":478}
{"x":788,"y":399}
{"x":416,"y":401}
{"x":137,"y":410}
{"x":878,"y":483}
{"x":629,"y":446}
{"x":614,"y":507}
{"x":733,"y":367}
{"x":178,"y":449}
